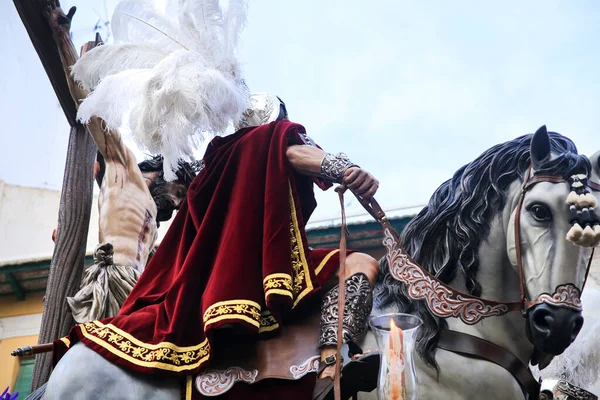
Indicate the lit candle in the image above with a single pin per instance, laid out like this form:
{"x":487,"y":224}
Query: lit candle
{"x":396,"y":379}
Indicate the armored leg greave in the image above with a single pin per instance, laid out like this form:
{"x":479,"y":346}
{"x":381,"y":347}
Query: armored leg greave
{"x":357,"y":308}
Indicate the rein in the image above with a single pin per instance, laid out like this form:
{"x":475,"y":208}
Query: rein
{"x":337,"y":386}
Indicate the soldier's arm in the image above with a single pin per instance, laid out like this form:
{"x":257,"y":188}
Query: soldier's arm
{"x":109,"y":142}
{"x":312,"y":161}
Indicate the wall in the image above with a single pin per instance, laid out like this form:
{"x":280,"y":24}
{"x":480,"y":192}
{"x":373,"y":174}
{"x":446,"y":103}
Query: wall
{"x":27,"y":218}
{"x":19,"y":326}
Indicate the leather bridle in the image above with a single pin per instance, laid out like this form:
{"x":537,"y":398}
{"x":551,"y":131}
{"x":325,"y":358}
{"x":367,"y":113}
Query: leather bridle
{"x":566,"y":295}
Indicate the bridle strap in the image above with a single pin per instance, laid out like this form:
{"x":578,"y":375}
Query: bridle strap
{"x":593,"y":185}
{"x":474,"y":347}
{"x":337,"y":387}
{"x":528,"y":183}
{"x":532,"y":180}
{"x":587,"y":270}
{"x":524,"y":189}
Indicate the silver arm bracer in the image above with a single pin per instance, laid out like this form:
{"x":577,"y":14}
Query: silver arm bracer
{"x":334,"y":166}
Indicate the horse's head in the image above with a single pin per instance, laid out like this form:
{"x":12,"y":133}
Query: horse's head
{"x":551,"y":233}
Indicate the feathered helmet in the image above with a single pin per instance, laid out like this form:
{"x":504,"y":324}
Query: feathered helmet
{"x":264,"y":108}
{"x":172,"y":77}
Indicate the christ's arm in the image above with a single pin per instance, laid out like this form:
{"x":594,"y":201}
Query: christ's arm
{"x":109,"y":142}
{"x":306,"y":160}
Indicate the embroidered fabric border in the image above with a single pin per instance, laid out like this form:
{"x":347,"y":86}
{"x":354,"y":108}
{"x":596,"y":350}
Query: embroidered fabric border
{"x":327,"y":257}
{"x":278,"y":283}
{"x":66,"y":341}
{"x":302,"y":284}
{"x":268,"y":322}
{"x":165,"y":355}
{"x":244,"y":310}
{"x":188,"y":387}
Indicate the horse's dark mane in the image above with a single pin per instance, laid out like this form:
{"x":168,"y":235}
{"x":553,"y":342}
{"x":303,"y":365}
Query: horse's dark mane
{"x":445,"y":236}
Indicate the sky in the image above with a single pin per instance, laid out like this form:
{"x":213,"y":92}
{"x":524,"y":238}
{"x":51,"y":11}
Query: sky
{"x":410,"y":90}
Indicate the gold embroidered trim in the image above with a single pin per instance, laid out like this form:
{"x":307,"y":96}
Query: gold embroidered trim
{"x":302,"y":284}
{"x":188,"y":387}
{"x":327,"y":257}
{"x":165,"y":355}
{"x":245,"y":310}
{"x":66,"y":341}
{"x":268,"y":322}
{"x":278,"y":283}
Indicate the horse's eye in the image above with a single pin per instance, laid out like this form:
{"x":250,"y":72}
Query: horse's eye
{"x":540,"y":212}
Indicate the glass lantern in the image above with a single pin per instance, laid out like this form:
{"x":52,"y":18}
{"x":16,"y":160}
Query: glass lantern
{"x":396,"y":336}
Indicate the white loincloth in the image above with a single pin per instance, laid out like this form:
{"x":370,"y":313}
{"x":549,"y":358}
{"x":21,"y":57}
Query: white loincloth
{"x":104,"y":287}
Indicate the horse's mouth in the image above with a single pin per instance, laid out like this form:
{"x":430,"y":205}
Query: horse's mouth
{"x":541,"y":359}
{"x":551,"y":329}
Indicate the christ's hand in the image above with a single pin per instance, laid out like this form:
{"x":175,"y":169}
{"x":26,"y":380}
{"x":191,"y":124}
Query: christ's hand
{"x":59,"y":22}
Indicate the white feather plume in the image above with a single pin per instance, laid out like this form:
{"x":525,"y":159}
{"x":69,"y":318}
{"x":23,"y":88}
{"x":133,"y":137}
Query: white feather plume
{"x":102,"y":61}
{"x":173,"y":76}
{"x":139,"y":21}
{"x":117,"y":92}
{"x":580,"y":363}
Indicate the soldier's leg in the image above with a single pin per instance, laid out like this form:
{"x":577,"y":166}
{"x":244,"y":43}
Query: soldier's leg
{"x":361,"y":275}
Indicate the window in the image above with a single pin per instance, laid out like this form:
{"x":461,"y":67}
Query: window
{"x":23,"y":383}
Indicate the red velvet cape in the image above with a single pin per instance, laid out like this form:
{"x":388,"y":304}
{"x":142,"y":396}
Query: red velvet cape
{"x":236,"y":253}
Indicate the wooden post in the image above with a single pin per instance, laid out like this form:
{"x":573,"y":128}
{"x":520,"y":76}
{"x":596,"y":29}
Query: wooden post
{"x":76,"y":197}
{"x":69,"y":252}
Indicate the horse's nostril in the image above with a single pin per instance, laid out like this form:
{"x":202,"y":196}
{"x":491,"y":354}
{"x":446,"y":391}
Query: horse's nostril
{"x":542,"y":320}
{"x":577,"y":325}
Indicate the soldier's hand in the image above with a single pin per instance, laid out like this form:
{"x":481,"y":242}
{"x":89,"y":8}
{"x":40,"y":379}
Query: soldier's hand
{"x":57,"y":19}
{"x":360,"y":182}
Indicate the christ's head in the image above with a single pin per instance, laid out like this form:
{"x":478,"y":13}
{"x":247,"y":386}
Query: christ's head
{"x":168,"y":196}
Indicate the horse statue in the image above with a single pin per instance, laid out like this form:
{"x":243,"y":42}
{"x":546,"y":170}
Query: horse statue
{"x":499,"y":229}
{"x":466,"y":238}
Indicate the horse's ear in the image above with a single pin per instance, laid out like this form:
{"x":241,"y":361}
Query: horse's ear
{"x":540,"y":147}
